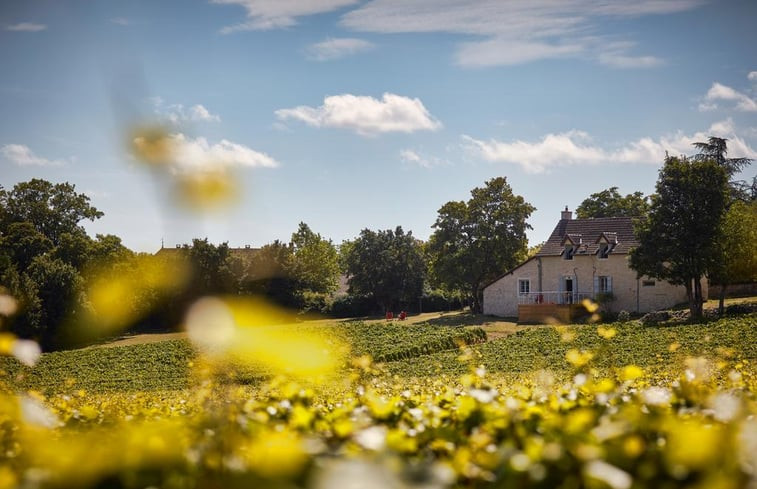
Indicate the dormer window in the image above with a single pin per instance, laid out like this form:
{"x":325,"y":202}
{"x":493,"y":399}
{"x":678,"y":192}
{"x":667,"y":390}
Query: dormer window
{"x":569,"y":251}
{"x":604,"y":251}
{"x":605,"y":244}
{"x":570,"y":247}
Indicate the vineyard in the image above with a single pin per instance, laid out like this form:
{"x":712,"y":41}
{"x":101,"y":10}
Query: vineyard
{"x":166,"y":365}
{"x":616,"y":406}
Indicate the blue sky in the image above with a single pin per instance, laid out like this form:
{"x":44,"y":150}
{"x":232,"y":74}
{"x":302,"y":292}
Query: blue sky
{"x":349,"y":114}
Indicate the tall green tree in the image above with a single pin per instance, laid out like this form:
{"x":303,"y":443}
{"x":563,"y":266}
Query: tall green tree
{"x":269,"y":274}
{"x":53,"y":209}
{"x":678,"y":240}
{"x":738,"y":259}
{"x":610,"y":203}
{"x":315,"y":261}
{"x":212,"y":268}
{"x":60,"y":289}
{"x":22,"y":243}
{"x":717,"y":149}
{"x":387,"y":265}
{"x":477,"y":240}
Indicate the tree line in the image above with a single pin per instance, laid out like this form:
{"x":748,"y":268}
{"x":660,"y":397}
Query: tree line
{"x":699,"y":223}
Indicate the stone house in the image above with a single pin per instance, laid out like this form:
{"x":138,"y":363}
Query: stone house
{"x":582,"y":259}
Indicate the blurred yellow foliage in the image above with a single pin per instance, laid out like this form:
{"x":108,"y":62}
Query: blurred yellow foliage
{"x":246,"y":330}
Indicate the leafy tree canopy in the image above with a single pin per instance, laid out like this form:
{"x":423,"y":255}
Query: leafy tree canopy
{"x":387,"y":265}
{"x":717,"y":149}
{"x":53,"y":209}
{"x":610,"y":203}
{"x":475,"y":241}
{"x":22,"y":242}
{"x":737,"y":248}
{"x":679,"y":237}
{"x":212,"y":267}
{"x":315,"y":264}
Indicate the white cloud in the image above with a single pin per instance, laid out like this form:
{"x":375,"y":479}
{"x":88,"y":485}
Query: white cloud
{"x":720,"y":92}
{"x":22,"y":155}
{"x":516,"y":31}
{"x":177,"y":113}
{"x":198,"y":154}
{"x":752,"y":76}
{"x":410,"y":156}
{"x":26,"y":27}
{"x":200,"y":113}
{"x":337,"y":48}
{"x":96,"y":194}
{"x":280,"y":126}
{"x":563,"y":149}
{"x":415,"y":158}
{"x":366,"y":115}
{"x":722,"y":128}
{"x":275,"y":14}
{"x":576,"y":148}
{"x":500,"y":51}
{"x":121,"y":21}
{"x":622,"y":61}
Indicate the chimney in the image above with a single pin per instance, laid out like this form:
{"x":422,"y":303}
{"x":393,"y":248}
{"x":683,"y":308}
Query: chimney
{"x":566,"y":214}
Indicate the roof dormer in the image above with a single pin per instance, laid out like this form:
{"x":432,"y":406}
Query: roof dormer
{"x":570,"y":245}
{"x":605,"y":243}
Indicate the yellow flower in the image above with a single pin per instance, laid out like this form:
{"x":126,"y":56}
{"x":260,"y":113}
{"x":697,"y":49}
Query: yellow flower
{"x":275,"y":454}
{"x":578,"y":358}
{"x":631,"y":372}
{"x":693,"y":445}
{"x":607,"y":333}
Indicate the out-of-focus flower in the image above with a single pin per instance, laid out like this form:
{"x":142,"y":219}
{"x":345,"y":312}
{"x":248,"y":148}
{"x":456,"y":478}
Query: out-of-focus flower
{"x":698,"y":369}
{"x":725,"y":406}
{"x":590,"y":305}
{"x":631,"y":372}
{"x":274,"y":454}
{"x":25,"y":351}
{"x":118,"y":295}
{"x":693,"y":445}
{"x":207,"y":189}
{"x":578,"y":358}
{"x":250,"y":330}
{"x":153,"y":145}
{"x":36,"y":413}
{"x":656,"y":396}
{"x":8,"y":305}
{"x":609,"y":474}
{"x":607,"y":333}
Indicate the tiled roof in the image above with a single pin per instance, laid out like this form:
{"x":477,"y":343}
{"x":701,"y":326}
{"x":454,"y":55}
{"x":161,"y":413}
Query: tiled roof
{"x":588,"y":232}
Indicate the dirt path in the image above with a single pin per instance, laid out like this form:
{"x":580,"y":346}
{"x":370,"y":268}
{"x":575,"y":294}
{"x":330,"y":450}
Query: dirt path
{"x":142,"y":338}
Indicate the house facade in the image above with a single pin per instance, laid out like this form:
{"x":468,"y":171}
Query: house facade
{"x":582,"y":259}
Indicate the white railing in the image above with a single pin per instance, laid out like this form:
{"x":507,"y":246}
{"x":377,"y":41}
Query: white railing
{"x":553,"y":297}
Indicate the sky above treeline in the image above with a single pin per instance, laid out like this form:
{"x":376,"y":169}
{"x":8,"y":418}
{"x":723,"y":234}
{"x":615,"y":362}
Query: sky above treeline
{"x":349,"y":114}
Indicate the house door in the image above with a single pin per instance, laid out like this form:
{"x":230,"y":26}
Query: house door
{"x":568,"y":290}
